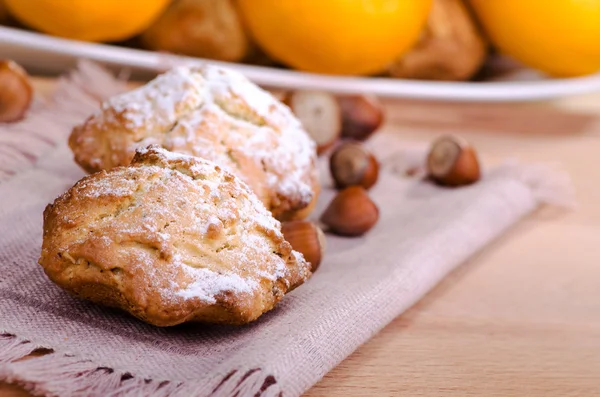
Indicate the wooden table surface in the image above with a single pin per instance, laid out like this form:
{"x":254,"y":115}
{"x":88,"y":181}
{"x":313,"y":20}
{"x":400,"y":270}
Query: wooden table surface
{"x":522,"y":317}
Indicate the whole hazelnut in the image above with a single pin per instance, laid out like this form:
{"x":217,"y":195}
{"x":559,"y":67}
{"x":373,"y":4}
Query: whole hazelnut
{"x":320,"y":115}
{"x":307,"y":238}
{"x":351,"y":164}
{"x":351,"y":212}
{"x":362,"y":115}
{"x":16,"y":91}
{"x":452,"y":162}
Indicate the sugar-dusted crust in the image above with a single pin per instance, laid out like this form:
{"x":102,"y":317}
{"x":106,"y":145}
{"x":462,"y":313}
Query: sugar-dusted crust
{"x":216,"y":114}
{"x":170,"y":239}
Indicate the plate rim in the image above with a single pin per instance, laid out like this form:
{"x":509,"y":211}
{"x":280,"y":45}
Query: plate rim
{"x":492,"y":91}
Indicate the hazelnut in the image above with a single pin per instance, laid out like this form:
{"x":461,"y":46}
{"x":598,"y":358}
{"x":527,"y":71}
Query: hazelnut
{"x":452,"y":162}
{"x":320,"y":115}
{"x":15,"y":91}
{"x":351,"y":212}
{"x":362,"y":115}
{"x":351,"y":164}
{"x":307,"y":238}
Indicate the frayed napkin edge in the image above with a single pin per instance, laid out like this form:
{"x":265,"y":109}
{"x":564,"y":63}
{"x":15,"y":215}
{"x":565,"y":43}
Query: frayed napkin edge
{"x":53,"y":373}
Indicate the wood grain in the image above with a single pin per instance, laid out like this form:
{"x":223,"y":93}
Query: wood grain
{"x":523,"y":316}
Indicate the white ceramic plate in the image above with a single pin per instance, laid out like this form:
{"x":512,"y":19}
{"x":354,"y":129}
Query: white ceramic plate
{"x":50,"y":55}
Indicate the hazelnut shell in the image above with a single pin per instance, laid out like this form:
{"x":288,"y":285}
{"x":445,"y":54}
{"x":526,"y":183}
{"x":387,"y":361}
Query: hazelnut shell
{"x":453,"y":162}
{"x":352,"y":164}
{"x":351,"y":212}
{"x":306,"y":238}
{"x":362,"y":115}
{"x":320,"y":115}
{"x":16,"y":92}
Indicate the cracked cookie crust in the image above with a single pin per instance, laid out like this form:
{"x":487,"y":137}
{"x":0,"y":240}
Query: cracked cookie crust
{"x":216,"y":114}
{"x":171,"y":238}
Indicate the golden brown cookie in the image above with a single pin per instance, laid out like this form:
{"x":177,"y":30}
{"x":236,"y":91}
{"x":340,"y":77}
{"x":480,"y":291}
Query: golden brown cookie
{"x":170,"y":239}
{"x":216,"y":114}
{"x":210,"y":29}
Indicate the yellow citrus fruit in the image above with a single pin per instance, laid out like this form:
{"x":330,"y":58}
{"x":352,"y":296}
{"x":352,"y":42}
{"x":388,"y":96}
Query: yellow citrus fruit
{"x":335,"y":36}
{"x":88,"y":20}
{"x":558,"y":37}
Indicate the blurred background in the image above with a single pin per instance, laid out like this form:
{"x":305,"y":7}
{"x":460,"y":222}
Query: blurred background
{"x":529,"y":305}
{"x":431,"y":40}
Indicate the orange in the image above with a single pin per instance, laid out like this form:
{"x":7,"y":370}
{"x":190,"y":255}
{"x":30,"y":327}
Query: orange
{"x":558,"y":37}
{"x":88,"y":20}
{"x":335,"y":36}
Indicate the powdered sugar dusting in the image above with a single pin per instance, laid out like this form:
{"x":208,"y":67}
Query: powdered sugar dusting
{"x":213,"y":221}
{"x":168,"y":155}
{"x":280,"y":144}
{"x":208,"y":284}
{"x":217,"y":114}
{"x":226,"y":223}
{"x":104,"y":188}
{"x":161,"y":101}
{"x":170,"y":238}
{"x":228,"y":86}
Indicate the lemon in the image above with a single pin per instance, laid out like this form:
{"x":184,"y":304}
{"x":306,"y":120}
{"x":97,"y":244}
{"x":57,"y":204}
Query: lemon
{"x":87,"y":20}
{"x":558,"y":37}
{"x":335,"y":36}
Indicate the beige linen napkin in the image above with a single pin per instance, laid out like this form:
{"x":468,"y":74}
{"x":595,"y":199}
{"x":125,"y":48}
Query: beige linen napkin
{"x":363,"y":283}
